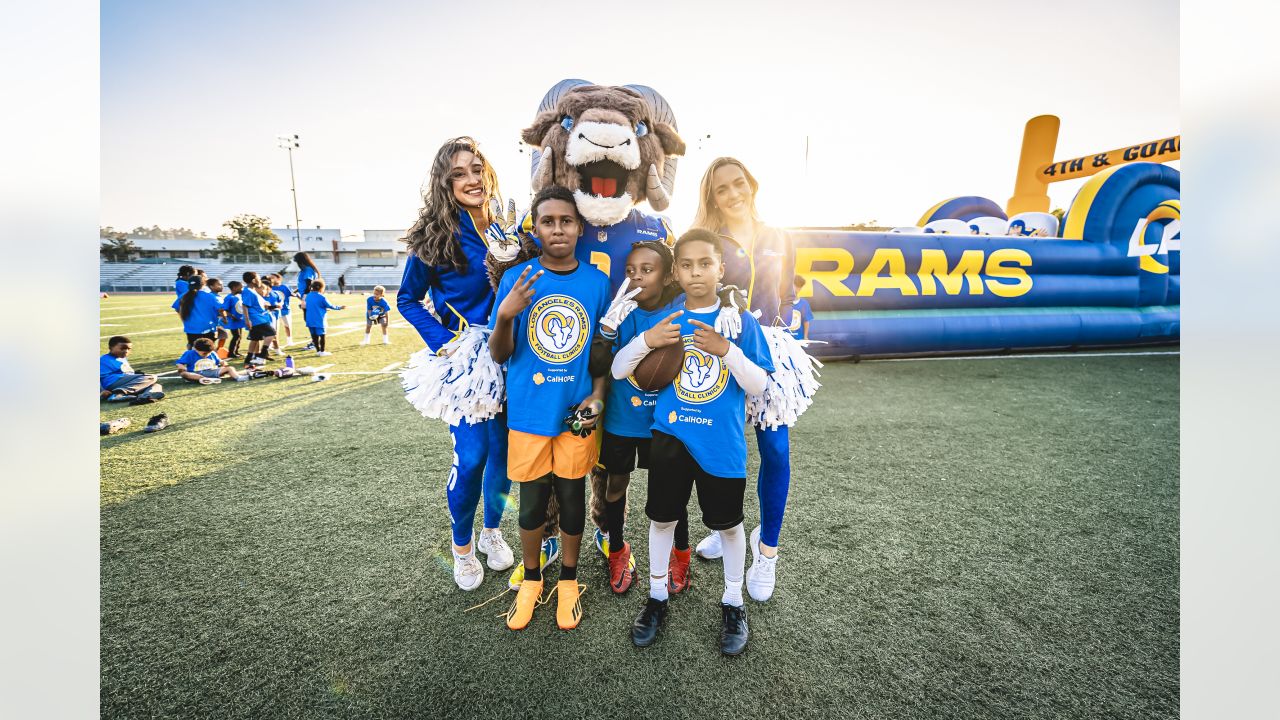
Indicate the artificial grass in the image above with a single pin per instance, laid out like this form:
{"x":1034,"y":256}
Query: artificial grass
{"x":963,"y":539}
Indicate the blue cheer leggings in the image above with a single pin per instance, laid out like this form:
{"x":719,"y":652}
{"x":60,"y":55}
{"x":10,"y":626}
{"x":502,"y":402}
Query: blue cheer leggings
{"x":479,"y":467}
{"x":773,"y":481}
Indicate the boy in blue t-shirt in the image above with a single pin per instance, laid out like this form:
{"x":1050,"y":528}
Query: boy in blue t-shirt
{"x":254,"y":309}
{"x":286,"y":321}
{"x":116,"y":379}
{"x":547,"y":309}
{"x":232,"y":317}
{"x":801,"y":314}
{"x":698,"y":436}
{"x":377,"y":310}
{"x":317,"y":307}
{"x":202,"y":365}
{"x":628,"y":414}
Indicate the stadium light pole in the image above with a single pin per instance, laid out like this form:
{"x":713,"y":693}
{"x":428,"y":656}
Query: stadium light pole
{"x":290,"y":142}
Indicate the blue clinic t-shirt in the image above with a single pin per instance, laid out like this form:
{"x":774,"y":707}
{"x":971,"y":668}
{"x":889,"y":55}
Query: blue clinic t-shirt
{"x":195,"y":363}
{"x":375,"y":308}
{"x":705,"y":407}
{"x":112,"y":368}
{"x":607,"y":247}
{"x":203,"y":317}
{"x":235,"y":321}
{"x":254,"y":308}
{"x":305,"y":276}
{"x":547,"y":373}
{"x":628,"y":411}
{"x":801,"y":313}
{"x":180,"y":287}
{"x":318,"y":306}
{"x":275,"y":297}
{"x":285,"y":294}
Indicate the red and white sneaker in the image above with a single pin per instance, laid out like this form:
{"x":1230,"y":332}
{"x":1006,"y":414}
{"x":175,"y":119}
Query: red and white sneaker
{"x":679,"y":575}
{"x":622,"y":569}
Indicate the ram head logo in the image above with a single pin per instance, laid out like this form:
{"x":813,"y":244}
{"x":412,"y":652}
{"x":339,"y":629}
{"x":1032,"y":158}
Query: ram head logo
{"x":697,"y":369}
{"x":559,"y":327}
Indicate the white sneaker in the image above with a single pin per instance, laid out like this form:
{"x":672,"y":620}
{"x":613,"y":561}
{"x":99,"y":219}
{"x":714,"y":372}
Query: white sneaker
{"x":365,"y":341}
{"x":467,"y":571}
{"x":495,"y":547}
{"x":386,"y":340}
{"x":322,"y":353}
{"x":762,"y":574}
{"x":257,"y":361}
{"x":709,"y":548}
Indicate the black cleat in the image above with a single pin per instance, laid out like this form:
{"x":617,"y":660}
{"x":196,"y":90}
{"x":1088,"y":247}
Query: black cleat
{"x":733,"y":631}
{"x":645,"y":629}
{"x":157,"y":423}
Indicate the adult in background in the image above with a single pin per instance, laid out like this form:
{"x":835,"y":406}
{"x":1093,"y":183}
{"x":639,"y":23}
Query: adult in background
{"x":761,"y":260}
{"x":306,"y":273}
{"x":446,"y":266}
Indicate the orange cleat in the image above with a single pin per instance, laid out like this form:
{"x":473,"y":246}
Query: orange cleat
{"x":568,"y":609}
{"x":521,"y":611}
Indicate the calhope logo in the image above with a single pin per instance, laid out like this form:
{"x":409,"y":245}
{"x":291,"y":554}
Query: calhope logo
{"x":702,"y":377}
{"x":558,"y":328}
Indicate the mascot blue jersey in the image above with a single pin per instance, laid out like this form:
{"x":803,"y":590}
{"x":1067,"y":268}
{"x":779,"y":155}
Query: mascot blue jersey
{"x":456,"y":296}
{"x":607,"y":247}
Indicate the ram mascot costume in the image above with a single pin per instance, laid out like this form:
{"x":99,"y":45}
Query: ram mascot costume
{"x":614,"y":147}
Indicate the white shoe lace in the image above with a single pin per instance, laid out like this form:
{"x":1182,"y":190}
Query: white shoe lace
{"x":467,"y":566}
{"x":495,"y":543}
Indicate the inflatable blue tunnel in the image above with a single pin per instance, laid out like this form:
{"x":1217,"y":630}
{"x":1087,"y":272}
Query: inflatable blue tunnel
{"x":1110,"y":277}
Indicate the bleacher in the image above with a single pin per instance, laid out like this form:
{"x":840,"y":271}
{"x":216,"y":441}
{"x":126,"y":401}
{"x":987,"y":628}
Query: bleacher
{"x":159,"y":277}
{"x":328,"y":269}
{"x":365,"y":277}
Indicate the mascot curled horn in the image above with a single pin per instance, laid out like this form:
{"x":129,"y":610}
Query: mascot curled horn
{"x":614,"y":147}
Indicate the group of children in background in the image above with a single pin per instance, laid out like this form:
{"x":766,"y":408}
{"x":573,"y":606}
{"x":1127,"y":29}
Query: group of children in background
{"x":216,"y":325}
{"x":259,"y":307}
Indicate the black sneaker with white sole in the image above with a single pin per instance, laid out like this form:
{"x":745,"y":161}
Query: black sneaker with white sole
{"x":645,"y":629}
{"x":733,"y":629}
{"x":157,"y":423}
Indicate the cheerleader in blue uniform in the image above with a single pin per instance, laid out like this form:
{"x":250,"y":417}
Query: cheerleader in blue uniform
{"x":761,"y":260}
{"x":445,"y":294}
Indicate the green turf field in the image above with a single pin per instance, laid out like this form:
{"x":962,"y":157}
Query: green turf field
{"x":964,"y":539}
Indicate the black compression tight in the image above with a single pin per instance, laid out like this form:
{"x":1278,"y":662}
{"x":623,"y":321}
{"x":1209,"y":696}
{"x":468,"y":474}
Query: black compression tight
{"x":570,"y":492}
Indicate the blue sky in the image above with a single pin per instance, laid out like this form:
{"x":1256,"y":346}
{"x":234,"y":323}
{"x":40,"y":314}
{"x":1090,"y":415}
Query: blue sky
{"x":904,"y":104}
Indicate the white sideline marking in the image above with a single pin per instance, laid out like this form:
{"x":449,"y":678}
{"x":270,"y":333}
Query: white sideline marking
{"x":1036,"y":355}
{"x":391,"y":366}
{"x":142,"y":332}
{"x":126,"y":317}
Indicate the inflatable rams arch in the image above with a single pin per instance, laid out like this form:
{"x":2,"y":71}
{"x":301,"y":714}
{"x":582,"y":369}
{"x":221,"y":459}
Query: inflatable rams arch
{"x":973,"y":277}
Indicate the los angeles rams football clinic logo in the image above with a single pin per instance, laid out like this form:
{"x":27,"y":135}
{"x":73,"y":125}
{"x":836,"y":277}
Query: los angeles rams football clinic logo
{"x":702,"y":377}
{"x":558,"y":328}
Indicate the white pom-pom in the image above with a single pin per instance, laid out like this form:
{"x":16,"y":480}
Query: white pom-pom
{"x":466,"y":385}
{"x":791,"y":385}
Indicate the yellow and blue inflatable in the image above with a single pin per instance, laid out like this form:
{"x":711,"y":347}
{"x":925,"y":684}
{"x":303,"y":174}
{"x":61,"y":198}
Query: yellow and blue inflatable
{"x":1111,"y":277}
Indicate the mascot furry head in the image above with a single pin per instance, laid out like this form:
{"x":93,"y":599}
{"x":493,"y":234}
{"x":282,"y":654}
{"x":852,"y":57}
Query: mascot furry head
{"x":614,"y":146}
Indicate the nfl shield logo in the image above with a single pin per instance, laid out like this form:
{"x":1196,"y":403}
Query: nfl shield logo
{"x":602,"y":235}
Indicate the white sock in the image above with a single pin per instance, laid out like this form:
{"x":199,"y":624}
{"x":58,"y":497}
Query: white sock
{"x":366,"y":337}
{"x":662,"y":537}
{"x":734,"y":542}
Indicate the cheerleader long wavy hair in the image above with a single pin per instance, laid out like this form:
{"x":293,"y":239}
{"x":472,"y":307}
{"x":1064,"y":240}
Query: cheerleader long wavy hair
{"x":433,"y":238}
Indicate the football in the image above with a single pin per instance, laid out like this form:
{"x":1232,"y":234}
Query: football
{"x":659,"y":368}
